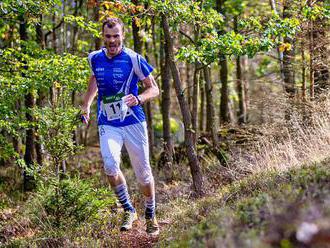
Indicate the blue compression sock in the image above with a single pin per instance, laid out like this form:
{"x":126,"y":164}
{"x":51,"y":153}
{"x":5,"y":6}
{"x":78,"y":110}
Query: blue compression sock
{"x":150,"y":204}
{"x":123,"y":197}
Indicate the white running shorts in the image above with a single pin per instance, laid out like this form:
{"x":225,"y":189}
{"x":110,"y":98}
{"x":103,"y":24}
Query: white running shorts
{"x":135,"y":139}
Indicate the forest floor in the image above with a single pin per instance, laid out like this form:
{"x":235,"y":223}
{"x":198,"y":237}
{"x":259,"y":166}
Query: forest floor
{"x":250,"y":202}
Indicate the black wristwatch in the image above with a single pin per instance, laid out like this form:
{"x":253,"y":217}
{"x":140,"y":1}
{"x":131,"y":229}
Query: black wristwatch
{"x":139,"y":98}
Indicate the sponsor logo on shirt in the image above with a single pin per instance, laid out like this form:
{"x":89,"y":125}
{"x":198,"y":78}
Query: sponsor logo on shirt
{"x":118,"y":81}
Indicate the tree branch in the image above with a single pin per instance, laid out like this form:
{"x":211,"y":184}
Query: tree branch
{"x":187,"y":36}
{"x":51,"y":31}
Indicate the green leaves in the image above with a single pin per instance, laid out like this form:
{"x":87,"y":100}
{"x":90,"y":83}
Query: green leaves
{"x":61,"y":203}
{"x":90,"y":26}
{"x":37,"y":72}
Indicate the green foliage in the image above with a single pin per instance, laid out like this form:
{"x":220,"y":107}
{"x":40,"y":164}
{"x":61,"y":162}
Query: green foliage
{"x":89,"y":26}
{"x":7,"y":151}
{"x":71,"y":201}
{"x":248,"y":210}
{"x":263,"y":38}
{"x":316,"y":11}
{"x":56,"y":126}
{"x":36,"y":71}
{"x":31,"y":9}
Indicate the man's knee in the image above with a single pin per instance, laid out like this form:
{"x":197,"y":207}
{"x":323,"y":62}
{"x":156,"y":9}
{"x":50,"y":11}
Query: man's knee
{"x":111,"y":166}
{"x":146,"y":178}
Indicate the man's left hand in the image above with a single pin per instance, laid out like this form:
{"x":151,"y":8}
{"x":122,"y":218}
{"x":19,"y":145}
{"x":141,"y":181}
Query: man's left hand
{"x":131,"y":100}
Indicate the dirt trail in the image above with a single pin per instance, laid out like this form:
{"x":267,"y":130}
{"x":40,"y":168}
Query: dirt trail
{"x":137,"y":237}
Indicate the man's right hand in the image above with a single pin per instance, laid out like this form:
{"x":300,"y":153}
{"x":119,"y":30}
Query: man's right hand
{"x":85,"y":111}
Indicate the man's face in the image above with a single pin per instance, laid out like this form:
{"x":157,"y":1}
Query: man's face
{"x":113,"y":39}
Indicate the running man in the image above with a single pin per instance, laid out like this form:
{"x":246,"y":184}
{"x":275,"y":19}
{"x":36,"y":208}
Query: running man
{"x":116,"y":71}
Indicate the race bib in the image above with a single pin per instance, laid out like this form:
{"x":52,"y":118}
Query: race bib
{"x":113,"y":107}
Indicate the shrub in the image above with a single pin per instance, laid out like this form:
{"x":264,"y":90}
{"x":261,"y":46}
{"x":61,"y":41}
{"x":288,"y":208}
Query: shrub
{"x":70,"y":201}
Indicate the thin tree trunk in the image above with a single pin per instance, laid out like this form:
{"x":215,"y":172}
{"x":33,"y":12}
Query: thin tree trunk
{"x":154,"y":41}
{"x":239,"y":83}
{"x":97,"y":41}
{"x":280,"y":54}
{"x":189,"y":86}
{"x":224,"y":100}
{"x":240,"y":92}
{"x":288,"y":58}
{"x":148,"y":110}
{"x":303,"y":70}
{"x":311,"y":60}
{"x":166,"y":106}
{"x":202,"y":106}
{"x":136,"y":37}
{"x":321,"y":55}
{"x":75,"y":29}
{"x":54,"y":45}
{"x":246,"y":87}
{"x":210,"y":107}
{"x":194,"y":113}
{"x":41,"y":101}
{"x":195,"y":90}
{"x":189,"y":143}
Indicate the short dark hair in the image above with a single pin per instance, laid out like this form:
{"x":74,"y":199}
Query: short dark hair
{"x":111,"y":22}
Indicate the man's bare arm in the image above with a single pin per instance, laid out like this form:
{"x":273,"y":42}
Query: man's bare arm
{"x":89,"y":96}
{"x":150,"y":91}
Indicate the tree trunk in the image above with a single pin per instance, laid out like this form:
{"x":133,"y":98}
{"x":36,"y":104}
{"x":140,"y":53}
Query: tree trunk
{"x":239,"y":84}
{"x":29,"y":104}
{"x":311,"y":59}
{"x":135,"y":29}
{"x":166,"y":106}
{"x":280,"y":54}
{"x":240,"y":92}
{"x":321,"y":55}
{"x":194,"y":113}
{"x":211,"y":124}
{"x":189,"y":143}
{"x":288,"y":57}
{"x":148,"y":111}
{"x":154,"y":41}
{"x":189,"y":86}
{"x":54,"y":45}
{"x":303,"y":70}
{"x":75,"y":29}
{"x":41,"y":101}
{"x":195,"y":90}
{"x":202,"y":106}
{"x":224,"y":100}
{"x":246,"y":87}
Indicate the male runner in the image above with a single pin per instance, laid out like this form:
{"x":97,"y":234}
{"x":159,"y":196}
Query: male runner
{"x":116,"y":71}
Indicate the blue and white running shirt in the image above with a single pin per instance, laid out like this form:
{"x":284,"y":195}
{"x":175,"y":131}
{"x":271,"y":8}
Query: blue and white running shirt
{"x":115,"y":78}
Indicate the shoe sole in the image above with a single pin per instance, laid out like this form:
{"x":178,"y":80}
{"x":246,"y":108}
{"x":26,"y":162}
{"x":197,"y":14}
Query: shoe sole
{"x":125,"y":229}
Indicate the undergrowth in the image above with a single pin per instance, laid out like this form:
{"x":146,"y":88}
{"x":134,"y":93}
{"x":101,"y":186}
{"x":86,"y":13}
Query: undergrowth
{"x":253,"y":212}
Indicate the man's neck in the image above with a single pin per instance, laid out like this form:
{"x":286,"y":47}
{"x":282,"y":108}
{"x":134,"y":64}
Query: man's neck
{"x":111,"y":56}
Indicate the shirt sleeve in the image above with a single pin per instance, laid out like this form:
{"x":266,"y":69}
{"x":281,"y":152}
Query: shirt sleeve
{"x":145,"y":67}
{"x":90,"y":62}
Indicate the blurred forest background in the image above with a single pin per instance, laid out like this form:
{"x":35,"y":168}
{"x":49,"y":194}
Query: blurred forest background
{"x":239,"y":136}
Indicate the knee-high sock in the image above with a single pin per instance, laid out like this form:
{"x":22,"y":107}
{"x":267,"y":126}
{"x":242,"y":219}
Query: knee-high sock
{"x":150,"y":204}
{"x":123,"y":197}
